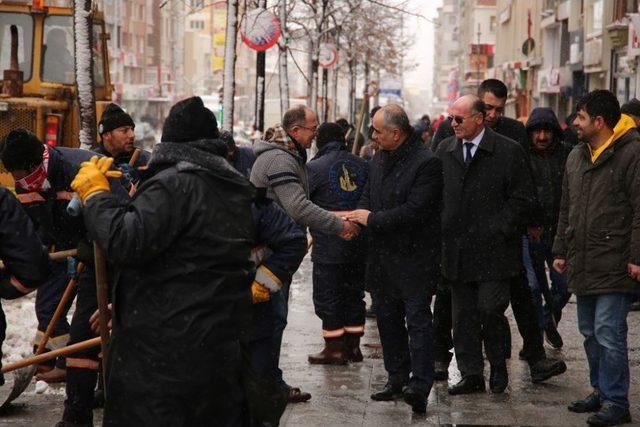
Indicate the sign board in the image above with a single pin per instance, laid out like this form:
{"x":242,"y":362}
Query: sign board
{"x":260,"y":29}
{"x":328,"y":56}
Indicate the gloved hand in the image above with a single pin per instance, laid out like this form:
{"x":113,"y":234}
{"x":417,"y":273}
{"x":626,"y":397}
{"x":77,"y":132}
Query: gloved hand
{"x":264,"y":284}
{"x":92,"y":177}
{"x":259,"y":293}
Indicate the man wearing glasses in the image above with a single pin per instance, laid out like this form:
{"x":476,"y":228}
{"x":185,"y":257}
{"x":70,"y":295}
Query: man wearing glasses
{"x":493,"y":94}
{"x":488,"y":192}
{"x":280,"y":170}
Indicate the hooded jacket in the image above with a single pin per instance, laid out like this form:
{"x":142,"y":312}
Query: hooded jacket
{"x":547,"y":171}
{"x":599,"y":225}
{"x":282,"y":172}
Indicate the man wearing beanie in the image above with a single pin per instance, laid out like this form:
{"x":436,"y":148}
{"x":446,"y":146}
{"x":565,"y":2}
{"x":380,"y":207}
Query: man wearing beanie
{"x":280,"y":169}
{"x":336,"y":181}
{"x":43,"y":178}
{"x":116,"y":130}
{"x":182,"y":247}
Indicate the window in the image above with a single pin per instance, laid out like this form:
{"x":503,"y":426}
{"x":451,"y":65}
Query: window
{"x":596,"y":16}
{"x":622,"y":7}
{"x":492,"y":24}
{"x":58,"y":61}
{"x":24,"y":24}
{"x":196,"y":25}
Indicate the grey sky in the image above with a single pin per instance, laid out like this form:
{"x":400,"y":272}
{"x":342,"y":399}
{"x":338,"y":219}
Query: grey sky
{"x":422,"y":50}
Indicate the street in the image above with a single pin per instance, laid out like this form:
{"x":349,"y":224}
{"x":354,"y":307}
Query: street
{"x":341,"y":393}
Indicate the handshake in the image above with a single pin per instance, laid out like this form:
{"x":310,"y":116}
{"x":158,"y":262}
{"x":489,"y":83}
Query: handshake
{"x":351,"y":222}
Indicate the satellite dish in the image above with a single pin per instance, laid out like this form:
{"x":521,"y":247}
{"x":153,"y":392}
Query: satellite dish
{"x":528,"y":46}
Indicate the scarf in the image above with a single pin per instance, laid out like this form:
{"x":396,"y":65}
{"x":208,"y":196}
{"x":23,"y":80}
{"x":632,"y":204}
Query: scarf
{"x":37,"y":180}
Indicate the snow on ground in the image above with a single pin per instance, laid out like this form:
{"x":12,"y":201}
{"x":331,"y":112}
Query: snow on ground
{"x":21,"y":328}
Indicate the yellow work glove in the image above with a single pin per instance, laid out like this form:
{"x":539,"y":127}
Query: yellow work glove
{"x":259,"y":293}
{"x":264,"y":284}
{"x":92,"y":177}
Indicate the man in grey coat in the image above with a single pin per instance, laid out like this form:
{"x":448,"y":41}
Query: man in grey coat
{"x":280,"y":170}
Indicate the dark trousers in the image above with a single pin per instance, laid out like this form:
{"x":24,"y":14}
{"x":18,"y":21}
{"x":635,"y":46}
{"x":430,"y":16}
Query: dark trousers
{"x":406,"y":335}
{"x":280,"y":306}
{"x":526,"y":315}
{"x":442,"y":324}
{"x":82,"y":367}
{"x":264,"y":361}
{"x":338,"y":295}
{"x":478,"y":315}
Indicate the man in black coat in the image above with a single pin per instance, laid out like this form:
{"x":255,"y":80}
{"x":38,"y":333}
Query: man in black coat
{"x":488,"y":193}
{"x":400,"y":207}
{"x":336,"y":181}
{"x":182,"y":297}
{"x":494,"y":94}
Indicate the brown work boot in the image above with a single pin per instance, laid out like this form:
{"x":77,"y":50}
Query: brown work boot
{"x":352,"y":347}
{"x":332,"y":354}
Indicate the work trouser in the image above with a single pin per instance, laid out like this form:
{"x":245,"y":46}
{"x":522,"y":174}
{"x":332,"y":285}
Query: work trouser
{"x":48,"y":297}
{"x":82,"y":367}
{"x":524,"y":311}
{"x":338,"y":298}
{"x":478,"y":313}
{"x":442,"y":324}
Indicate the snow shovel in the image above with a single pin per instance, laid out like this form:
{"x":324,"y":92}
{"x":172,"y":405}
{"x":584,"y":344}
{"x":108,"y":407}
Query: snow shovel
{"x":103,"y":306}
{"x":30,"y":362}
{"x":22,"y":377}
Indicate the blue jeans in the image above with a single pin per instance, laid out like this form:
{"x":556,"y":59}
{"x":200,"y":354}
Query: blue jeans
{"x":535,"y":255}
{"x":406,"y":334}
{"x":602,"y":320}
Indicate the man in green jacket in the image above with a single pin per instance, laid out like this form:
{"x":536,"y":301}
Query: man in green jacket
{"x":598,"y":244}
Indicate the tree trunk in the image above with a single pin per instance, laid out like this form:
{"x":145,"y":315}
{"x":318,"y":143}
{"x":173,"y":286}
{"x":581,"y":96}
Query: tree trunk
{"x":353,"y":70}
{"x":334,"y":93}
{"x":282,"y":59}
{"x":314,"y":75}
{"x":228,"y":81}
{"x":325,"y":94}
{"x":83,"y":40}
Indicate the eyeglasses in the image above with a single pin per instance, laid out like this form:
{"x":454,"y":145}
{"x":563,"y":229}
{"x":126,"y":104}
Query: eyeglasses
{"x":313,"y":129}
{"x":460,"y":119}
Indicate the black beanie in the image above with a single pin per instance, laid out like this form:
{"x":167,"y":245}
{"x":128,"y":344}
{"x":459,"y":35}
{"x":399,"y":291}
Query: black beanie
{"x":112,"y":118}
{"x":21,"y":150}
{"x":329,"y":132}
{"x":632,"y":107}
{"x":190,"y":120}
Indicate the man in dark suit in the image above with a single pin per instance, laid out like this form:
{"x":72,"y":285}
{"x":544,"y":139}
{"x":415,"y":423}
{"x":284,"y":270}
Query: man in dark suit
{"x":488,"y":192}
{"x":400,"y":207}
{"x":493,"y":94}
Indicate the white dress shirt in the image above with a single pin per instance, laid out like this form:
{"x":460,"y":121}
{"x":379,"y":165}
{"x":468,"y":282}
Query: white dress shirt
{"x":475,"y":141}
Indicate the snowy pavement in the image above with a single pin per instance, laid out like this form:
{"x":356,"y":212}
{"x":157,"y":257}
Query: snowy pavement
{"x":341,"y":393}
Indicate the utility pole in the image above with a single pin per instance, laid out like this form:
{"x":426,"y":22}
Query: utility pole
{"x":83,"y":38}
{"x":260,"y":79}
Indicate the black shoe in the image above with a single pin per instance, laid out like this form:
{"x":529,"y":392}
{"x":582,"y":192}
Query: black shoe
{"x":552,"y":336}
{"x":590,"y":403}
{"x":416,"y":399}
{"x":389,"y":392}
{"x":610,"y":415}
{"x":546,"y":368}
{"x":499,"y":378}
{"x":468,"y":385}
{"x":441,"y":371}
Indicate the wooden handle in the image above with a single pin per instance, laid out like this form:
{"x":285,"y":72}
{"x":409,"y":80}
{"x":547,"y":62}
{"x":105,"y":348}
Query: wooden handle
{"x":58,"y":256}
{"x":134,"y":157}
{"x":50,"y":355}
{"x":103,"y":304}
{"x":68,"y":293}
{"x":356,"y":139}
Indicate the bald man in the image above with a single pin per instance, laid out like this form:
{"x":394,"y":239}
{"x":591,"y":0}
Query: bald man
{"x":488,"y":192}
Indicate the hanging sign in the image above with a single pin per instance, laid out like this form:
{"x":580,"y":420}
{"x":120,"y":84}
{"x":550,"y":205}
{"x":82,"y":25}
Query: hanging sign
{"x":260,"y":29}
{"x":328,"y":55}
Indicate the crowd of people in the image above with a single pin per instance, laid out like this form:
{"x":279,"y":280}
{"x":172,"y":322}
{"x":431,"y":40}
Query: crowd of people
{"x":474,"y":213}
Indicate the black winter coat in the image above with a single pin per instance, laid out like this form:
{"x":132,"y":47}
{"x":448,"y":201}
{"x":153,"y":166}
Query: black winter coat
{"x":485,"y":209}
{"x":183,"y":298}
{"x":505,"y":126}
{"x":336,"y":181}
{"x":21,"y":249}
{"x":404,"y":195}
